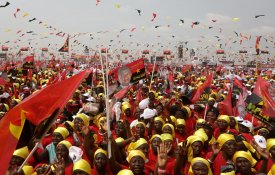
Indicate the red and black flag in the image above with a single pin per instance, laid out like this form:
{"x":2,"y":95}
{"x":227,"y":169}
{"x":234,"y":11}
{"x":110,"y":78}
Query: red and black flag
{"x":28,"y":62}
{"x":257,"y":45}
{"x":203,"y":91}
{"x":65,"y":47}
{"x":260,"y":102}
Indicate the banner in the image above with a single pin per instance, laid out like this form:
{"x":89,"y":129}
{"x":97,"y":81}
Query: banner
{"x":65,"y":47}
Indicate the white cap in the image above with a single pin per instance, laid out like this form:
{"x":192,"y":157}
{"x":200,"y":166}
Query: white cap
{"x":239,"y":119}
{"x":148,"y":113}
{"x":91,"y":99}
{"x":260,"y":140}
{"x":75,"y":153}
{"x":247,"y":124}
{"x":133,"y":123}
{"x":144,"y":103}
{"x":248,"y":85}
{"x":86,"y":94}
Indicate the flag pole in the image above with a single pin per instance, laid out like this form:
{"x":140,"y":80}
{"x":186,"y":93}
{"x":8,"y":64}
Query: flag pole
{"x":153,"y":72}
{"x":106,"y":96}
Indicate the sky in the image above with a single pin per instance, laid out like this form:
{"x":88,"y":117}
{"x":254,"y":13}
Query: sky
{"x":100,"y":24}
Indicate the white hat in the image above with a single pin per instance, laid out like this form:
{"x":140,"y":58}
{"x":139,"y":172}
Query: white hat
{"x":260,"y":140}
{"x":239,"y":119}
{"x":248,"y":85}
{"x":133,"y":123}
{"x":247,"y":124}
{"x":86,"y":94}
{"x":148,"y":113}
{"x":75,"y":153}
{"x":144,"y":103}
{"x":91,"y":99}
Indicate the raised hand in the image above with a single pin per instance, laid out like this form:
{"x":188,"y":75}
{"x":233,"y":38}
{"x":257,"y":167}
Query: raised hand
{"x":215,"y":148}
{"x":262,"y":151}
{"x":60,"y":167}
{"x":162,"y":155}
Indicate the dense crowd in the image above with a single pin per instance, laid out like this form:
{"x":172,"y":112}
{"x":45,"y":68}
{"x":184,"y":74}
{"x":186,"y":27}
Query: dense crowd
{"x":155,"y":127}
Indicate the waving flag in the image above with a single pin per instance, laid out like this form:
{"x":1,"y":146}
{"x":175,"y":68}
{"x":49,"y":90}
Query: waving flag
{"x":35,"y":108}
{"x":65,"y":47}
{"x":203,"y":89}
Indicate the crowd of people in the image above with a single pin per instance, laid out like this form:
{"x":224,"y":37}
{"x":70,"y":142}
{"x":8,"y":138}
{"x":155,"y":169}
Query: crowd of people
{"x":155,"y":127}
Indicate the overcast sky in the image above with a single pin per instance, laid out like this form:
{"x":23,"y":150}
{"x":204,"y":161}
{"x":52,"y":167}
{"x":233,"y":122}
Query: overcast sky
{"x":86,"y":18}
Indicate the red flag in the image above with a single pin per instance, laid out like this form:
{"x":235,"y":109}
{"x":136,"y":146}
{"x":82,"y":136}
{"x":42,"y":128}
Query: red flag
{"x":154,"y":16}
{"x":186,"y":68}
{"x":261,"y":90}
{"x":226,"y":105}
{"x":35,"y":108}
{"x":202,"y":88}
{"x":29,"y":59}
{"x":122,"y":92}
{"x":219,"y":68}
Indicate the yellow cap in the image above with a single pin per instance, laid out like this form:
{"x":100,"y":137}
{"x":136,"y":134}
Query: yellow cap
{"x":125,"y":172}
{"x":135,"y":153}
{"x":65,"y":143}
{"x":225,"y":118}
{"x":172,"y":128}
{"x":136,"y":144}
{"x":125,"y":106}
{"x":119,"y":140}
{"x":223,"y":138}
{"x":180,"y":122}
{"x":22,"y":152}
{"x":159,"y":118}
{"x":63,"y":131}
{"x":201,"y":160}
{"x":245,"y":155}
{"x":201,"y":133}
{"x":166,"y":137}
{"x":156,"y":135}
{"x":28,"y":170}
{"x":84,"y":118}
{"x":82,"y":165}
{"x":270,"y":143}
{"x":188,"y":110}
{"x":99,"y":150}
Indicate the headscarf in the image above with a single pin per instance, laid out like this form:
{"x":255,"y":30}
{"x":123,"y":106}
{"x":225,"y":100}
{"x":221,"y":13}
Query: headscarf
{"x":134,"y":153}
{"x":272,"y":170}
{"x":63,"y":131}
{"x":125,"y":106}
{"x":125,"y":172}
{"x":21,"y":152}
{"x":187,"y":110}
{"x":245,"y":155}
{"x":166,"y":137}
{"x":65,"y":143}
{"x":28,"y":170}
{"x":136,"y":144}
{"x":156,"y":135}
{"x":100,"y":150}
{"x":270,"y":143}
{"x":223,"y":138}
{"x":159,"y":119}
{"x":201,"y":133}
{"x":225,"y":118}
{"x":84,"y":118}
{"x":201,"y":160}
{"x":180,"y":122}
{"x":190,"y":140}
{"x":82,"y":165}
{"x":172,"y":128}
